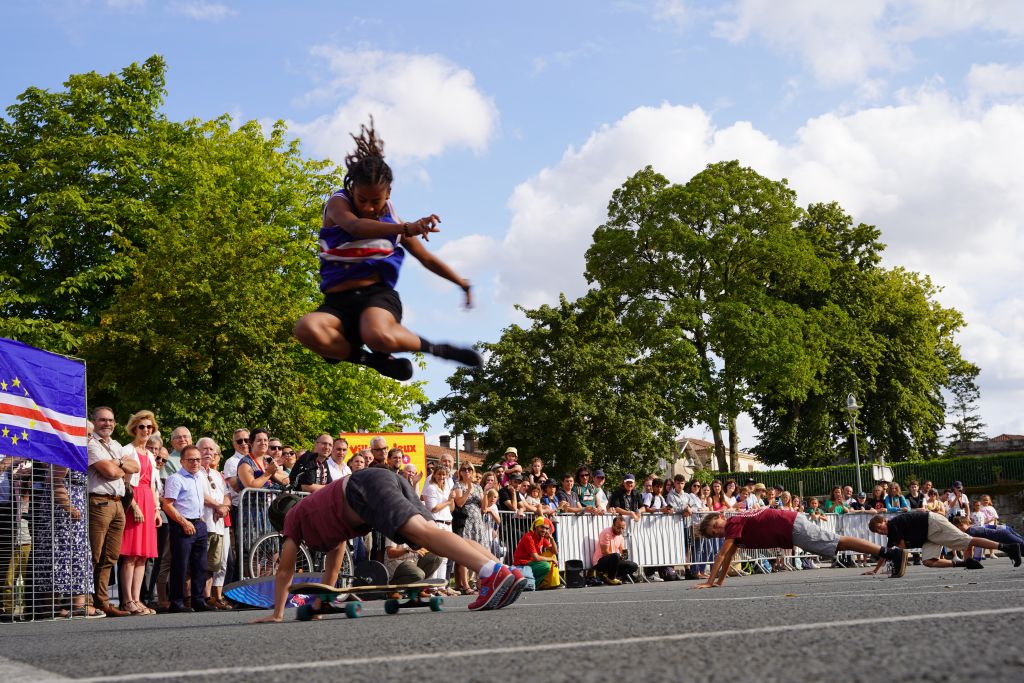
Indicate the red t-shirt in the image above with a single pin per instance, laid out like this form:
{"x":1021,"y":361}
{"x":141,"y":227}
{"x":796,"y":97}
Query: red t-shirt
{"x":764,"y":528}
{"x":317,"y":522}
{"x":529,"y":544}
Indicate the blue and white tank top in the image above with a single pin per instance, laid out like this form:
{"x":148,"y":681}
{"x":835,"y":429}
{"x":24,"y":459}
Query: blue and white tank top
{"x":344,"y":257}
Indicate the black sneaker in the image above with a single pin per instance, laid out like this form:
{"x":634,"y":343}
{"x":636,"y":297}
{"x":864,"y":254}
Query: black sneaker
{"x":387,"y":365}
{"x":898,"y":559}
{"x":971,"y":563}
{"x":1012,"y":551}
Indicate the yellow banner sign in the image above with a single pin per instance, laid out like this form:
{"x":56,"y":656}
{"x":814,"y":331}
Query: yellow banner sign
{"x":413,"y":445}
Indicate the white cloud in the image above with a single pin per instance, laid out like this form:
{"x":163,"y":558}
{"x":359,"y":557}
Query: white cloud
{"x":422,"y":105}
{"x":845,"y":42}
{"x":995,"y":81}
{"x":200,"y":10}
{"x":937,"y":175}
{"x":672,"y":12}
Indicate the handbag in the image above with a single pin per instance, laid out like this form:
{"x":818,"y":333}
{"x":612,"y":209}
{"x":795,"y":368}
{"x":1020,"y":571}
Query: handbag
{"x":128,"y":497}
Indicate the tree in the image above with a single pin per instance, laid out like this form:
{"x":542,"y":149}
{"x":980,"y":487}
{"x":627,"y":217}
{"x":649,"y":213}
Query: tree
{"x":198,"y":254}
{"x":967,"y":425}
{"x":572,"y":388}
{"x":694,"y":264}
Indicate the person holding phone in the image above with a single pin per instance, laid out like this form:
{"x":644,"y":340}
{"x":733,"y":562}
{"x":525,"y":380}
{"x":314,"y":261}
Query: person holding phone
{"x":258,"y":470}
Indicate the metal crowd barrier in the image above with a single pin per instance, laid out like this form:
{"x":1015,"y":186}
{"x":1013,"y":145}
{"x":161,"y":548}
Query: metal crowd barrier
{"x":656,"y":540}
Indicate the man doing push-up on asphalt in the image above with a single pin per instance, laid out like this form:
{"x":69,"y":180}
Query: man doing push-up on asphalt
{"x":771,"y":528}
{"x":376,"y":498}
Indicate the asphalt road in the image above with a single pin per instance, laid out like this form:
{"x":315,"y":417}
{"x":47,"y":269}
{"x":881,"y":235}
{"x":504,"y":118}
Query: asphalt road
{"x":831,"y":624}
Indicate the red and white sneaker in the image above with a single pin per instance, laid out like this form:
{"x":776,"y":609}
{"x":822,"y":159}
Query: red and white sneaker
{"x":493,"y":589}
{"x":516,"y":590}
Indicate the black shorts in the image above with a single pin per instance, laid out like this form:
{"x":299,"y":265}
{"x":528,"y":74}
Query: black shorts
{"x":348,"y":307}
{"x":385,"y":501}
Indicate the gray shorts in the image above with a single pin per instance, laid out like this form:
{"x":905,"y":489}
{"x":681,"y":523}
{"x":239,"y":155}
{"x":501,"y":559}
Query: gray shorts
{"x":385,"y":501}
{"x":814,"y":539}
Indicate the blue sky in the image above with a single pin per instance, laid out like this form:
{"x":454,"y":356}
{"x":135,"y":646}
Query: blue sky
{"x":514,"y":122}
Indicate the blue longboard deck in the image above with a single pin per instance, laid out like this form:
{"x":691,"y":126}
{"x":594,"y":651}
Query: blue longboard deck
{"x":259,"y":592}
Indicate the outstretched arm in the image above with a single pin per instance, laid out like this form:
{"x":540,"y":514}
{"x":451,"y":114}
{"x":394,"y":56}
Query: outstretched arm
{"x":722,"y":563}
{"x":438,"y":267}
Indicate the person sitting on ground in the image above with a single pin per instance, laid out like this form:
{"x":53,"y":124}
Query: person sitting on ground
{"x":610,"y":563}
{"x":537,"y":550}
{"x":930,"y":532}
{"x":768,"y":528}
{"x":406,"y":565}
{"x":376,"y":499}
{"x":568,"y":501}
{"x":896,"y":501}
{"x":655,"y":500}
{"x":836,"y":504}
{"x":627,"y":500}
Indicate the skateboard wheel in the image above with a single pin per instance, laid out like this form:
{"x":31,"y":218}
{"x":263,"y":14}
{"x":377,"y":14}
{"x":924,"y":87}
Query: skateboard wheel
{"x":436,"y":603}
{"x":353,"y":610}
{"x":391,"y":606}
{"x":304,"y":613}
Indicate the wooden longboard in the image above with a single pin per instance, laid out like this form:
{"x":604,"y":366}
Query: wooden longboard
{"x":328,"y":605}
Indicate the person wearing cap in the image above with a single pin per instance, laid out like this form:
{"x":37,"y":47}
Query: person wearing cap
{"x":931,"y":532}
{"x":626,"y":500}
{"x":957,"y":502}
{"x":600,"y":496}
{"x":549,"y":497}
{"x":585,"y":491}
{"x":567,"y":499}
{"x":537,"y":550}
{"x":860,"y":504}
{"x":769,"y":528}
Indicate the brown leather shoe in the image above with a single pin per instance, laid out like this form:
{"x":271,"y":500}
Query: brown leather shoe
{"x":112,"y":611}
{"x":224,"y":604}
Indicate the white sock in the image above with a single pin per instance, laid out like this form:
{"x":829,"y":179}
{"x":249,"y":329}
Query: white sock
{"x":489,"y":568}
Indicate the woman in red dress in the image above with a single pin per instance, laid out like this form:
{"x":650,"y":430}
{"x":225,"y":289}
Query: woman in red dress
{"x":138,"y":543}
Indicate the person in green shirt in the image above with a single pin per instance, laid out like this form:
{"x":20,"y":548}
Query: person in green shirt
{"x":835,"y":504}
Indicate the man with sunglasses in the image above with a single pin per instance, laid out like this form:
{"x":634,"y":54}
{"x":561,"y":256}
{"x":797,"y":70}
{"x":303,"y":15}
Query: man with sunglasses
{"x":240,"y":440}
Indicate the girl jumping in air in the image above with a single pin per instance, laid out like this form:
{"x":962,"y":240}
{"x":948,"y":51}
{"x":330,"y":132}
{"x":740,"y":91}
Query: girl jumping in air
{"x":361,"y":253}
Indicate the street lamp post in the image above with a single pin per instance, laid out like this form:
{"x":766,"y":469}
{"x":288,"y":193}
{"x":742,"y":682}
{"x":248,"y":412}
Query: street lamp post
{"x":852,"y":408}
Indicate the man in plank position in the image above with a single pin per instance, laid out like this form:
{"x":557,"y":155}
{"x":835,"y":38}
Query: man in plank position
{"x":771,"y":528}
{"x":930,"y":531}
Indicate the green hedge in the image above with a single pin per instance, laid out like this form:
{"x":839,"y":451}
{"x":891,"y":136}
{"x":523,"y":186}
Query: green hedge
{"x":973,"y":472}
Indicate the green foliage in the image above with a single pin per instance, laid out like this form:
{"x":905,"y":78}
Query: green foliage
{"x":989,"y":471}
{"x":571,"y":389}
{"x":175,"y":258}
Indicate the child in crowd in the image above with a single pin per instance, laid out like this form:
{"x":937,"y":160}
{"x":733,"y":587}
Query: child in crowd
{"x":814,"y":512}
{"x":991,"y":516}
{"x":655,"y":501}
{"x":930,"y":531}
{"x":361,"y":253}
{"x":376,"y":498}
{"x":769,"y":528}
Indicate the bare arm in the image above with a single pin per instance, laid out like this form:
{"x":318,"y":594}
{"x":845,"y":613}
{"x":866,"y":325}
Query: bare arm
{"x":723,"y":561}
{"x":282,"y":581}
{"x":439,"y":268}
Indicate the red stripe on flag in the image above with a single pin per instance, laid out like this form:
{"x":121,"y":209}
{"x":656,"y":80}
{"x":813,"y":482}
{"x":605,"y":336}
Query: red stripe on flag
{"x":39,"y":416}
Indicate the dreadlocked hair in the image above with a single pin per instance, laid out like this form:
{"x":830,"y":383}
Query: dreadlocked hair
{"x":366,"y":166}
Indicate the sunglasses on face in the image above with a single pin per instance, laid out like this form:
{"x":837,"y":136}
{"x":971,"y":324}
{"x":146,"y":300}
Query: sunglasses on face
{"x":289,"y":453}
{"x":275,"y":448}
{"x":241,"y":441}
{"x":148,"y":428}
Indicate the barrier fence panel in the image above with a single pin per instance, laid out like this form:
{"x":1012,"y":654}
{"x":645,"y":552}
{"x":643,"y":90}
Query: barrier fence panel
{"x":577,"y":537}
{"x":657,"y":540}
{"x":46,"y":565}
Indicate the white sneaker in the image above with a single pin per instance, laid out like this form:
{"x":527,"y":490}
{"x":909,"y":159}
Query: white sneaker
{"x":654,"y":578}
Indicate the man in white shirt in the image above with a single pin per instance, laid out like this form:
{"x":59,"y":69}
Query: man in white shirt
{"x":336,"y":463}
{"x":216,"y":507}
{"x":106,"y":473}
{"x":240,"y":439}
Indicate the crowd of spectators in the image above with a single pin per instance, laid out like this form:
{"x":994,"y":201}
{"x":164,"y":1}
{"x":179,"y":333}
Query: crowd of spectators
{"x":164,"y":517}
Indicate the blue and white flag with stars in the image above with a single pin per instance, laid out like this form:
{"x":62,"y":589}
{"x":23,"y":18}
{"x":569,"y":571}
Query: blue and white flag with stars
{"x":42,"y":406}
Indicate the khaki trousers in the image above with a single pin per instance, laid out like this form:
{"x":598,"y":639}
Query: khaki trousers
{"x":106,"y":526}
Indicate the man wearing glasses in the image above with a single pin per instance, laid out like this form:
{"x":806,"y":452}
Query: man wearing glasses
{"x":106,"y":474}
{"x":240,"y":440}
{"x":379,"y":449}
{"x":313,"y":471}
{"x":183,"y":503}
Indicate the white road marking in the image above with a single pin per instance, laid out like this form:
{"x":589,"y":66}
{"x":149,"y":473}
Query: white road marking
{"x":533,"y":648}
{"x":16,"y":672}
